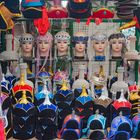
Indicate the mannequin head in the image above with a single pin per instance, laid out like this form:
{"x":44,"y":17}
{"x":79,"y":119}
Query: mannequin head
{"x":117,"y":44}
{"x":27,"y":44}
{"x":44,"y":43}
{"x":80,"y":43}
{"x":62,"y":41}
{"x":99,"y":42}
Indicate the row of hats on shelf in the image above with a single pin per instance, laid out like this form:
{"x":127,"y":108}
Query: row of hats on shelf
{"x":23,"y":110}
{"x":76,"y":9}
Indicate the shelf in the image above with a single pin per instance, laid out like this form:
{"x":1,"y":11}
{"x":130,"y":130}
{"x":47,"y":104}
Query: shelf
{"x":74,"y":20}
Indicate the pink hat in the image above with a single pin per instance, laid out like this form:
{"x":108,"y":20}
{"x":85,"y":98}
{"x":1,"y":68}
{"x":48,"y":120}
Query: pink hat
{"x":47,"y":37}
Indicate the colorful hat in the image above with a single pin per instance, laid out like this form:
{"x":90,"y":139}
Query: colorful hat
{"x":84,"y":104}
{"x":32,"y":8}
{"x":80,"y":37}
{"x":22,"y":86}
{"x":71,"y":128}
{"x":46,"y":117}
{"x":136,"y":126}
{"x":6,"y":17}
{"x":24,"y":118}
{"x":103,"y":13}
{"x":96,"y":125}
{"x":120,"y":123}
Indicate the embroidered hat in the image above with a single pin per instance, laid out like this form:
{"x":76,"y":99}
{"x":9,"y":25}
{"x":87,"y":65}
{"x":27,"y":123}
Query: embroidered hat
{"x":62,"y":35}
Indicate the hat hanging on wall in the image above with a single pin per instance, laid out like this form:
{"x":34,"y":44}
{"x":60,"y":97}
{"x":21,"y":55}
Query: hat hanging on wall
{"x":125,"y":9}
{"x":6,"y":16}
{"x":79,"y":8}
{"x":103,"y":11}
{"x":57,"y":11}
{"x":10,"y":53}
{"x":32,"y":8}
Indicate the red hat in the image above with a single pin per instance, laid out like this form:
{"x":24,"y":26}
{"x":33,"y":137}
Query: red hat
{"x":133,"y":88}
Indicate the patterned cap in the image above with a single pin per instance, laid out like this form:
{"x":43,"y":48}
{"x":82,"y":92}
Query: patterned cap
{"x":62,"y":35}
{"x":26,"y":38}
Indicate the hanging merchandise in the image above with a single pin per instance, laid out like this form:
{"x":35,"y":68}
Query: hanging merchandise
{"x":23,"y":118}
{"x":79,"y":8}
{"x":63,"y":99}
{"x":117,"y":44}
{"x":121,"y":128}
{"x":57,"y":11}
{"x":71,"y":128}
{"x":32,"y":8}
{"x":46,"y":124}
{"x":119,"y":85}
{"x":10,"y":53}
{"x":77,"y":85}
{"x":134,"y":99}
{"x":96,"y":126}
{"x":103,"y":11}
{"x":6,"y":15}
{"x":125,"y":9}
{"x":84,"y":107}
{"x":62,"y":54}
